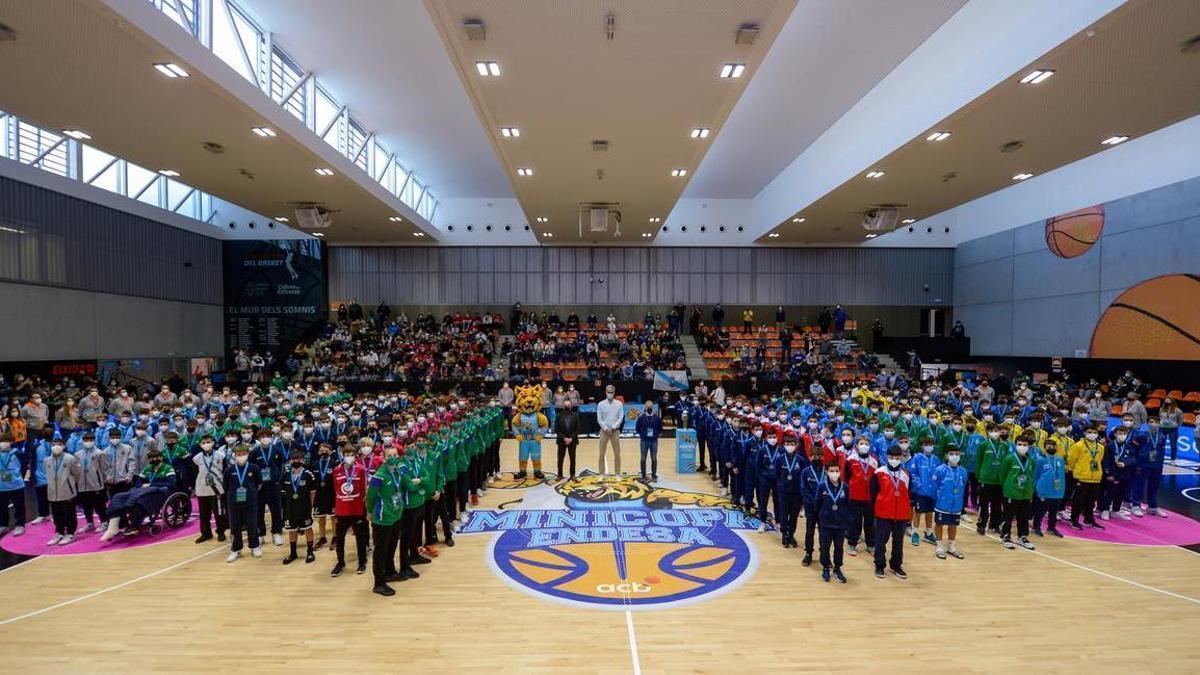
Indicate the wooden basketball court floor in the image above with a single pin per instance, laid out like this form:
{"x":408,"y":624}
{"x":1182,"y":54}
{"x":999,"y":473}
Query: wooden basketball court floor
{"x":1071,"y":606}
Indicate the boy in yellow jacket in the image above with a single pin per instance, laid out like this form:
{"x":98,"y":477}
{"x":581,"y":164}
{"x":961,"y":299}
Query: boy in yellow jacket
{"x":1085,"y":463}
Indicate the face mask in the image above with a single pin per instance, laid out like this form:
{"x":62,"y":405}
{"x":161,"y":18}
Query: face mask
{"x":758,"y":433}
{"x":772,"y":441}
{"x":889,"y":434}
{"x":347,"y":459}
{"x":834,"y":475}
{"x":140,"y":432}
{"x":1120,"y":438}
{"x":240,"y":460}
{"x":1091,"y":436}
{"x":863,"y":450}
{"x":5,"y":445}
{"x":956,"y":427}
{"x":847,"y":439}
{"x":230,"y":440}
{"x":89,"y":444}
{"x":155,"y":461}
{"x":1127,"y":423}
{"x":790,"y":447}
{"x":1022,"y":449}
{"x":994,"y":434}
{"x":1061,"y":430}
{"x":264,"y":441}
{"x":904,"y":445}
{"x":952,"y":460}
{"x":297,"y":463}
{"x":926,"y":449}
{"x":206,"y":446}
{"x":873,"y":426}
{"x":366,"y":450}
{"x":812,"y":425}
{"x":893,"y":462}
{"x":1051,"y":450}
{"x":609,"y":396}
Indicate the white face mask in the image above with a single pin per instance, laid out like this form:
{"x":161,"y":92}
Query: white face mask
{"x":903,"y":445}
{"x":864,"y":450}
{"x":847,"y":440}
{"x":1091,"y":436}
{"x":772,"y":441}
{"x":240,"y":460}
{"x":139,"y":432}
{"x":834,"y":475}
{"x":347,"y":459}
{"x":1061,"y":430}
{"x":927,"y":449}
{"x":1022,"y":449}
{"x":994,"y":434}
{"x":893,"y":462}
{"x":89,"y":444}
{"x":790,"y":447}
{"x":206,"y":446}
{"x":952,"y":460}
{"x":758,"y":433}
{"x":230,"y":440}
{"x":889,"y":434}
{"x":956,"y":427}
{"x":1127,"y":423}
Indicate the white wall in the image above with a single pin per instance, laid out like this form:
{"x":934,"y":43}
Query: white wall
{"x":43,"y":323}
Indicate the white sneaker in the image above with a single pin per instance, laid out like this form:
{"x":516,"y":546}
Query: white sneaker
{"x":1024,"y":543}
{"x":1137,"y":511}
{"x":1123,"y":514}
{"x":233,"y":555}
{"x":18,"y":530}
{"x":66,"y":540}
{"x":1159,"y":512}
{"x":54,"y":540}
{"x":762,"y":527}
{"x":87,"y":528}
{"x":1104,"y":515}
{"x":257,"y":552}
{"x":277,"y":540}
{"x":39,"y":520}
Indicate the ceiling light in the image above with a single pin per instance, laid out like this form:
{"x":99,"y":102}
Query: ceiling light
{"x":1022,"y":176}
{"x":874,"y":174}
{"x":678,"y":173}
{"x":318,"y":234}
{"x":549,"y":235}
{"x":773,"y":235}
{"x":1037,"y":76}
{"x":646,"y":235}
{"x":170,"y":173}
{"x":938,"y":136}
{"x":872,"y":236}
{"x":510,"y":132}
{"x":656,"y":220}
{"x":323,"y":171}
{"x":543,"y":219}
{"x":798,"y":220}
{"x":700,"y":132}
{"x":418,"y":234}
{"x":265,"y":132}
{"x":76,"y":134}
{"x":170,"y":70}
{"x":1114,"y":140}
{"x":731,"y":71}
{"x":524,"y":171}
{"x":281,"y":219}
{"x":396,"y":219}
{"x":908,"y":221}
{"x":11,"y":229}
{"x":487,"y":68}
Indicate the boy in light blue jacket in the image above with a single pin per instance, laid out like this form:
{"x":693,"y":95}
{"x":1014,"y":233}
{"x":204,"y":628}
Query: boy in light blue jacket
{"x":950,"y":482}
{"x":1049,"y":484}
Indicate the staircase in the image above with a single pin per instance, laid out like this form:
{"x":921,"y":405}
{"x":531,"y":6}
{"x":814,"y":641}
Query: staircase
{"x":500,"y":363}
{"x":693,"y":358}
{"x":888,"y":363}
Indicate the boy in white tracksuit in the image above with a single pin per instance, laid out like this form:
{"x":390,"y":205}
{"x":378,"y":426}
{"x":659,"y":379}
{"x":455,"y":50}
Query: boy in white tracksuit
{"x":62,"y":485}
{"x":93,"y":465}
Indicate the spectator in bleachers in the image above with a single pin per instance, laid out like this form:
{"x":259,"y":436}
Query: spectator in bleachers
{"x":718,"y":316}
{"x":747,"y":319}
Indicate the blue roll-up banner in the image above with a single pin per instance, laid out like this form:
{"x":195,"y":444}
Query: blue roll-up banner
{"x":685,"y":450}
{"x":632,"y":412}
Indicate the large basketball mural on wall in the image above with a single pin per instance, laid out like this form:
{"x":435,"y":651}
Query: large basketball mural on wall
{"x":1156,"y":319}
{"x":1072,"y":234}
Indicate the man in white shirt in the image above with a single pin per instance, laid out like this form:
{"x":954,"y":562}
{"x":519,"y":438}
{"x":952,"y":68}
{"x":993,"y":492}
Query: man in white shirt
{"x":610,"y":414}
{"x":718,"y":395}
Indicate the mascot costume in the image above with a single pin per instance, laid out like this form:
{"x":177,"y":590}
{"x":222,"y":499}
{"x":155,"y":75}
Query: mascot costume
{"x":529,"y":426}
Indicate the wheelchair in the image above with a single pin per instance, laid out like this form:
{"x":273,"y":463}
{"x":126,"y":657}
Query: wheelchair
{"x":174,"y":513}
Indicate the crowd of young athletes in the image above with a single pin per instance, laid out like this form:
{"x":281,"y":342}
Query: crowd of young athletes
{"x":874,"y":465}
{"x":385,"y":468}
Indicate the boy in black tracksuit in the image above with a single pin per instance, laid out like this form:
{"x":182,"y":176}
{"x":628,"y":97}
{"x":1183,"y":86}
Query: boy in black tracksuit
{"x":833,"y":509}
{"x":789,"y":470}
{"x":242,"y":482}
{"x":269,"y":457}
{"x":810,"y":485}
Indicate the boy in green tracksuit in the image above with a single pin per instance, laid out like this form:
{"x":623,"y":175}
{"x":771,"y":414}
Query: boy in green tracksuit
{"x":991,"y":453}
{"x":385,"y":508}
{"x":435,"y":507}
{"x":1017,"y":474}
{"x":416,"y":467}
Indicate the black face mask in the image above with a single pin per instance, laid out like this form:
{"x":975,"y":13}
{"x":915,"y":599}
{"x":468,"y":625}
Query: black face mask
{"x":297,"y":463}
{"x":156,"y":461}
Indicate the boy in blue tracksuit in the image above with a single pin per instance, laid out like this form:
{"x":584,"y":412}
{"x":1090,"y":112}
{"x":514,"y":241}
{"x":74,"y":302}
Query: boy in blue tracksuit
{"x":923,"y":491}
{"x":788,"y":468}
{"x":810,"y":484}
{"x":12,"y":486}
{"x":768,"y":481}
{"x":736,"y":461}
{"x":1049,"y":486}
{"x":1152,"y":450}
{"x":833,"y":509}
{"x":950,"y":482}
{"x":649,"y":429}
{"x":725,"y":436}
{"x":749,"y":469}
{"x":1120,"y":460}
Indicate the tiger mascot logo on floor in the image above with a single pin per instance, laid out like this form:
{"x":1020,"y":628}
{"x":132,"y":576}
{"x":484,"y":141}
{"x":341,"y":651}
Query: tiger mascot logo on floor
{"x":618,"y":542}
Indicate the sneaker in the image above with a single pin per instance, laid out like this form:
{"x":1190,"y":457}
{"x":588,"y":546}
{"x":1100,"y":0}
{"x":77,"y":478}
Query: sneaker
{"x":39,"y":520}
{"x":233,"y":555}
{"x":337,"y":570}
{"x":762,"y":527}
{"x":940,"y":552}
{"x":825,"y":574}
{"x":1137,"y":511}
{"x":362,"y":568}
{"x":539,"y":475}
{"x":66,"y":540}
{"x":930,"y":538}
{"x":807,"y":560}
{"x":1156,"y":511}
{"x":450,"y":542}
{"x":837,"y":574}
{"x":1026,"y":544}
{"x":474,"y":499}
{"x":1096,"y":526}
{"x":1063,"y":515}
{"x":221,"y":536}
{"x":956,"y":553}
{"x":321,"y":542}
{"x":310,"y":556}
{"x":289,"y":558}
{"x":1007,"y":541}
{"x":18,"y":530}
{"x":1123,"y":515}
{"x":980,"y":529}
{"x":1076,"y":526}
{"x":967,"y":518}
{"x":3,"y":530}
{"x":1104,"y":515}
{"x":871,"y":550}
{"x":1056,"y":533}
{"x":899,"y":572}
{"x":203,"y":538}
{"x":256,"y":552}
{"x":88,"y":527}
{"x":852,"y":552}
{"x":384,"y":590}
{"x":916,"y":538}
{"x":277,"y":540}
{"x":409,"y":573}
{"x":879,"y":574}
{"x":54,"y":540}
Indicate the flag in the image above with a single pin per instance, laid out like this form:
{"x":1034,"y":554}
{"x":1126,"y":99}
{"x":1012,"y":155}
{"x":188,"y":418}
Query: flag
{"x":670,"y":380}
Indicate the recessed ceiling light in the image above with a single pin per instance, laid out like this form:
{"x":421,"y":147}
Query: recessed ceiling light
{"x":318,"y":234}
{"x":872,"y":236}
{"x":773,"y":235}
{"x":874,"y":174}
{"x":524,"y":171}
{"x":906,"y":221}
{"x":732,"y":70}
{"x":646,"y":235}
{"x":656,"y":220}
{"x":1114,"y":140}
{"x":76,"y":134}
{"x":700,"y":132}
{"x":938,"y":136}
{"x":418,"y":234}
{"x":487,"y":68}
{"x":542,"y":219}
{"x":323,"y":171}
{"x":170,"y":70}
{"x":678,"y":173}
{"x":265,"y":132}
{"x":549,"y":235}
{"x":510,"y":132}
{"x":798,"y":220}
{"x":1037,"y":76}
{"x":396,"y":219}
{"x":282,"y":219}
{"x":170,"y":173}
{"x":1022,"y":176}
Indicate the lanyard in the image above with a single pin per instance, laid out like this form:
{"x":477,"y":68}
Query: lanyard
{"x":265,"y":455}
{"x":790,"y":462}
{"x":324,"y":467}
{"x":1020,"y":464}
{"x":208,"y":461}
{"x":293,"y":476}
{"x":1092,"y":450}
{"x":241,"y":472}
{"x":349,"y":473}
{"x":57,"y":466}
{"x":8,"y":455}
{"x":841,"y":490}
{"x":1120,"y":450}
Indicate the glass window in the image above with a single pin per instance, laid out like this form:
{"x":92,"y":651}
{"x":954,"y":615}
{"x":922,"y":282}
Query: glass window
{"x":187,"y":21}
{"x":100,"y":168}
{"x":326,"y":110}
{"x":354,"y":141}
{"x":232,"y":34}
{"x":284,"y":76}
{"x":137,"y":179}
{"x":32,"y":142}
{"x":380,"y":156}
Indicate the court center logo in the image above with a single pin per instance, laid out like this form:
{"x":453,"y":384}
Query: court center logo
{"x":618,"y":543}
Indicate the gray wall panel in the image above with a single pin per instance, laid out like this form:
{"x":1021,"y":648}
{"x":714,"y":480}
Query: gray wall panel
{"x":1167,"y":248}
{"x":1054,"y":326}
{"x":989,"y":326}
{"x":989,"y":281}
{"x":991,"y":247}
{"x":1042,"y":274}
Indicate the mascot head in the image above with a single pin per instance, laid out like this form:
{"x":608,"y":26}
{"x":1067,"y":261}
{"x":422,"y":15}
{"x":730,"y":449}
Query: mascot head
{"x":595,"y":489}
{"x":528,"y":399}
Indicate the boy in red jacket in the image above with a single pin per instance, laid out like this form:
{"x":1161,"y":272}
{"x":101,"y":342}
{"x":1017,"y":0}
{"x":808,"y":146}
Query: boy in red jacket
{"x":889,"y":502}
{"x":350,"y":491}
{"x":860,"y":468}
